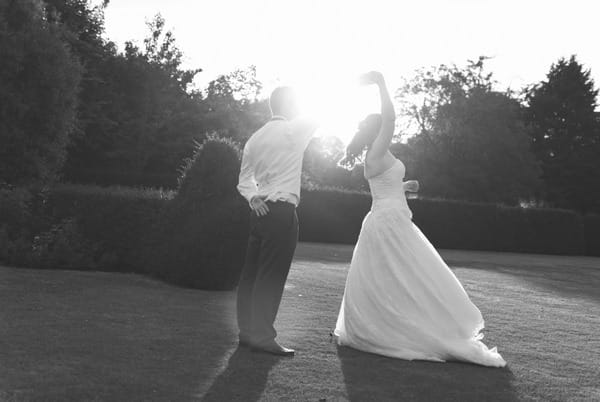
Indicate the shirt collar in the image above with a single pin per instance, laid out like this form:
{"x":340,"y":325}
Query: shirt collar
{"x":278,"y":117}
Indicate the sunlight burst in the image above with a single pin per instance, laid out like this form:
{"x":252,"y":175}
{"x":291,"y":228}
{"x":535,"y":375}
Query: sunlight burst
{"x":338,"y":104}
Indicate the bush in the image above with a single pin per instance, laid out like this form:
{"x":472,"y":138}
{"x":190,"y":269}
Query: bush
{"x":212,"y":172}
{"x":20,"y":220}
{"x":473,"y":226}
{"x":591,"y":224}
{"x":335,"y":216}
{"x":114,"y":219}
{"x":63,"y":246}
{"x":200,"y":241}
{"x":15,"y":210}
{"x":196,"y":237}
{"x":331,"y":215}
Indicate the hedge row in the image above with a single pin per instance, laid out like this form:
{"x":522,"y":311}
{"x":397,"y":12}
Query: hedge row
{"x":195,"y":237}
{"x":592,"y":235}
{"x":335,"y":217}
{"x":196,"y":242}
{"x":116,"y":220}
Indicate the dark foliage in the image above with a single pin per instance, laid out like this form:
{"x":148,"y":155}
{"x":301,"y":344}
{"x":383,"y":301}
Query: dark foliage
{"x":77,"y":227}
{"x":194,"y":238}
{"x":232,"y":106}
{"x":39,"y":79}
{"x":591,"y":224}
{"x":212,"y":172}
{"x":200,"y":240}
{"x":335,"y":217}
{"x":16,"y":225}
{"x":471,"y":226}
{"x":332,"y":216}
{"x":139,"y":119}
{"x":470,"y":143}
{"x":115,"y":219}
{"x":565,"y":135}
{"x":63,"y":246}
{"x":321,"y":169}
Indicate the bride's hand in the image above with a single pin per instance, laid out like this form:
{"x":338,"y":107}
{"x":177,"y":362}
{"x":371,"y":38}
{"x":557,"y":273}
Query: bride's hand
{"x":372,"y":77}
{"x":411,"y":185}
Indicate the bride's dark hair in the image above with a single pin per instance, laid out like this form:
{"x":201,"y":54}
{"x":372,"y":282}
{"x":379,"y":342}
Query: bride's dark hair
{"x":364,"y":137}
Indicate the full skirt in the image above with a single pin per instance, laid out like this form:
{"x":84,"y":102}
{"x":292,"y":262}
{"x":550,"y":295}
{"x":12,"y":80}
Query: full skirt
{"x":401,"y":299}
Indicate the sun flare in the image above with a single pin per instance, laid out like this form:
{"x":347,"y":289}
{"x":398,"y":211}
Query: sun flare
{"x":337,"y":104}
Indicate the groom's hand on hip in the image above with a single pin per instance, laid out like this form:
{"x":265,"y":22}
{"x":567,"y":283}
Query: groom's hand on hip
{"x":259,"y":206}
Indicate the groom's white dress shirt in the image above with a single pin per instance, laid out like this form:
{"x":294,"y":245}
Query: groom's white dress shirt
{"x":272,"y":160}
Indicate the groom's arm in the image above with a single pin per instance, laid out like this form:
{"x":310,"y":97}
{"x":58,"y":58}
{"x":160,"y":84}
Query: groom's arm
{"x":246,"y":183}
{"x":304,"y":129}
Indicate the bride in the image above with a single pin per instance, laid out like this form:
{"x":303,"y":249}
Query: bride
{"x":401,"y":300}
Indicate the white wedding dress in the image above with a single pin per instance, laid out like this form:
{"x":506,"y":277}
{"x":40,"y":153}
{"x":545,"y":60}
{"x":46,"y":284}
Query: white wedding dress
{"x":401,"y":300}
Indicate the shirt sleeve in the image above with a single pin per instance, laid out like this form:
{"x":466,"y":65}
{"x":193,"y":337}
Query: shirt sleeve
{"x":303,"y":129}
{"x":246,"y":183}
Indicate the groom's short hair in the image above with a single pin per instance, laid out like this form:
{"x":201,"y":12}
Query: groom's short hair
{"x":280,"y":97}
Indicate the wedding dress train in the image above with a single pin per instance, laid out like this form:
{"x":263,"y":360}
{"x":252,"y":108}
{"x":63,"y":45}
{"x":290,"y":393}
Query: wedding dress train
{"x":401,"y":300}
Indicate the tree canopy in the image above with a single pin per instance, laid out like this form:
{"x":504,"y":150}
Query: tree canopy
{"x":565,"y":135}
{"x":470,"y":141}
{"x":74,"y":106}
{"x":39,"y":84}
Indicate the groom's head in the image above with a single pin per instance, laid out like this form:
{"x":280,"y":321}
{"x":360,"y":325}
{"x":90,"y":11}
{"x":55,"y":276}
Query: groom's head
{"x":283,"y":102}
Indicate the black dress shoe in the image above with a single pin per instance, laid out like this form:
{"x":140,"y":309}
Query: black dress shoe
{"x":273,"y":348}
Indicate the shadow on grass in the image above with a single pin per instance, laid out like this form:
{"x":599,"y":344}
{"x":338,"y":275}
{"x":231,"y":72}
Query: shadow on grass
{"x":566,"y":281}
{"x":370,"y":377}
{"x":244,"y":377}
{"x":103,"y":336}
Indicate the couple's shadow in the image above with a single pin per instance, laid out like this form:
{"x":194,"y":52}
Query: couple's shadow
{"x":370,"y":377}
{"x":244,"y":378}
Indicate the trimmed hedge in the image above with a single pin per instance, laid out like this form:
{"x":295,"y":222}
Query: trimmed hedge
{"x":335,"y":216}
{"x":200,"y":241}
{"x":196,"y":237}
{"x":473,"y":226}
{"x":331,"y":215}
{"x":592,"y":234}
{"x":115,"y":219}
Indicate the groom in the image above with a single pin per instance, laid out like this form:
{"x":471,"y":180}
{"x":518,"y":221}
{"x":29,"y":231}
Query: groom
{"x":270,"y":181}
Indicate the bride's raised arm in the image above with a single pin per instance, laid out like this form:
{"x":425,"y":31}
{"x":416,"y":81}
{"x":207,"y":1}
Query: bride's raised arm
{"x":382,"y":143}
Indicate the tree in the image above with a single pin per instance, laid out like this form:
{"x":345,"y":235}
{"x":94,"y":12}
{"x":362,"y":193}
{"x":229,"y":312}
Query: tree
{"x":39,"y":78}
{"x":149,"y":118}
{"x":82,"y":29}
{"x":161,"y":50}
{"x":233,"y":107}
{"x":565,"y":135}
{"x":320,"y":167}
{"x":470,"y":141}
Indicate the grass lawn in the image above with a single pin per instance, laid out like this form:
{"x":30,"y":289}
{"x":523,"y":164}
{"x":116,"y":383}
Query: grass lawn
{"x":69,"y":335}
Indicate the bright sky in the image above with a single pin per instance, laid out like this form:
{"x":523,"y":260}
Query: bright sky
{"x":327,"y":43}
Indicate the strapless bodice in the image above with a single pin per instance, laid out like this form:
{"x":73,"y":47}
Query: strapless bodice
{"x":387,"y":188}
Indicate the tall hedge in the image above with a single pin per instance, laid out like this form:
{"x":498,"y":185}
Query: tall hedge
{"x":592,"y":234}
{"x":335,"y":216}
{"x":200,"y":240}
{"x":115,"y":219}
{"x":472,"y":226}
{"x":39,"y":80}
{"x":332,"y":216}
{"x":195,"y":237}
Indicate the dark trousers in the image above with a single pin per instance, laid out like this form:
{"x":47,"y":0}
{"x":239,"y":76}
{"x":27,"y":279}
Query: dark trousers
{"x":271,"y":247}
